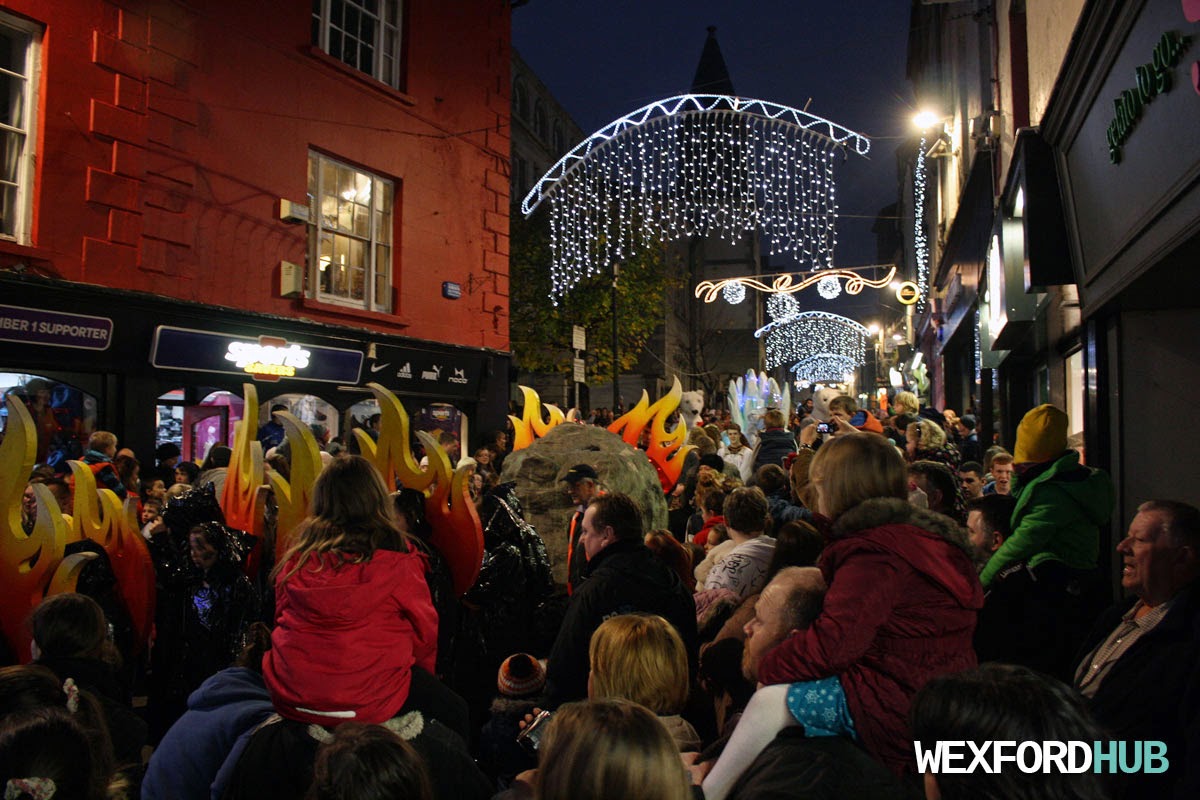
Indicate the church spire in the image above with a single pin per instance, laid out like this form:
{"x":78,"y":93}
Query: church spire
{"x":712,"y":76}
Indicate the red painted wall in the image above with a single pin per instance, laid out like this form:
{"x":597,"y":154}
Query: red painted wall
{"x":167,"y":136}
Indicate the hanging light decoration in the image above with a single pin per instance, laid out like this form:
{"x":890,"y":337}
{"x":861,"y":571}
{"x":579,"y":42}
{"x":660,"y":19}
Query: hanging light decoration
{"x":694,"y":165}
{"x":812,"y":333}
{"x":920,"y":238}
{"x":734,"y":292}
{"x":829,"y":287}
{"x":824,"y":368}
{"x":782,"y":307}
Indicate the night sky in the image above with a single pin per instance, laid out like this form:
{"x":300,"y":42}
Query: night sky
{"x":603,"y":60}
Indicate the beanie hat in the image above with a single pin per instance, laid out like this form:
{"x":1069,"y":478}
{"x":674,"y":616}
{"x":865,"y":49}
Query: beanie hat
{"x":1041,"y":436}
{"x":521,"y":675}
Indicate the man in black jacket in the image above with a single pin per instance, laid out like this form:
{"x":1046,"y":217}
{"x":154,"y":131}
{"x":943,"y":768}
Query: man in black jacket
{"x":622,"y":577}
{"x":1142,"y":668}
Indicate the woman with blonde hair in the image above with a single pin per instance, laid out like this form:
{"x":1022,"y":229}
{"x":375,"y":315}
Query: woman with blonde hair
{"x":640,"y":657}
{"x":604,"y":749}
{"x":901,"y":607}
{"x":927,"y":441}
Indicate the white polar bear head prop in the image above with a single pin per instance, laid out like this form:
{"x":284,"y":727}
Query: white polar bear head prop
{"x":821,"y":399}
{"x":691,"y":404}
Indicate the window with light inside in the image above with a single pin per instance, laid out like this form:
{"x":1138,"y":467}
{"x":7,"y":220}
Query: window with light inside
{"x":350,"y":235}
{"x":363,"y":34}
{"x":18,"y":87}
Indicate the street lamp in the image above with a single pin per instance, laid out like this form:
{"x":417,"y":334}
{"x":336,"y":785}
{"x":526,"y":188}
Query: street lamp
{"x":926,"y":119}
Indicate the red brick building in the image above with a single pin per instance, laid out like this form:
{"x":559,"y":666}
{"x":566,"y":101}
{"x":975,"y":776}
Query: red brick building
{"x":333,"y":174}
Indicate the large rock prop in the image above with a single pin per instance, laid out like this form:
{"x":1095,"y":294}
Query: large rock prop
{"x":538,"y":471}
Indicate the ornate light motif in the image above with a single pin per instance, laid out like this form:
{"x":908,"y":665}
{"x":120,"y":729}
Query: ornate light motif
{"x":694,"y":165}
{"x":829,"y":287}
{"x":786,"y":283}
{"x":814,"y":334}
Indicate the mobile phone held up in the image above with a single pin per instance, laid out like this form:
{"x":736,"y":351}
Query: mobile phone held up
{"x":826,"y":427}
{"x":531,"y":737}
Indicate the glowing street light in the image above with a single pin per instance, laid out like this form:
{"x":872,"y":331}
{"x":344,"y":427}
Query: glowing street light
{"x":926,"y":119}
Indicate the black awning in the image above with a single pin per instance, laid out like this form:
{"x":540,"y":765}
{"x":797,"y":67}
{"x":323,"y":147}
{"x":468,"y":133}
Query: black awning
{"x":1034,"y":173}
{"x":972,"y":228}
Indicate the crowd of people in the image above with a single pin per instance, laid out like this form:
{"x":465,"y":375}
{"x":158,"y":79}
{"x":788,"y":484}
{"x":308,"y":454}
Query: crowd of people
{"x":828,"y":595}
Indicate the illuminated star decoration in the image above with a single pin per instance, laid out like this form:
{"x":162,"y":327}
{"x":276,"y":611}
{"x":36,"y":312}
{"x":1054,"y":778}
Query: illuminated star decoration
{"x":694,"y":165}
{"x":817,"y":346}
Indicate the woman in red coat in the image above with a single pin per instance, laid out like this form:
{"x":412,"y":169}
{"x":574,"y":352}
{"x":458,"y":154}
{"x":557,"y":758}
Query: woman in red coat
{"x":900,"y":609}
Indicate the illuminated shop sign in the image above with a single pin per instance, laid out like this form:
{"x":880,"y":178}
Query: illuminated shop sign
{"x":1150,"y":80}
{"x":266,"y":358}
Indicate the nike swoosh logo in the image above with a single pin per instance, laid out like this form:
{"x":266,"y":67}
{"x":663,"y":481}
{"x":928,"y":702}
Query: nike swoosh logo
{"x":377,"y":367}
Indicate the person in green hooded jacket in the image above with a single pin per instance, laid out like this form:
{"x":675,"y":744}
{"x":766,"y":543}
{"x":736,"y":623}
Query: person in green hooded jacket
{"x":1061,"y":503}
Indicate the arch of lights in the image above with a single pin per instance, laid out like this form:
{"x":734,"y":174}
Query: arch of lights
{"x":796,"y":337}
{"x":694,"y":164}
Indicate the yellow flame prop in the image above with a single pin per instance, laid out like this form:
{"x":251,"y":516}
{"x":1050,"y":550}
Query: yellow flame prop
{"x":32,"y":566}
{"x":530,"y":426}
{"x":28,"y":561}
{"x":667,"y":450}
{"x":294,"y":495}
{"x":457,"y":530}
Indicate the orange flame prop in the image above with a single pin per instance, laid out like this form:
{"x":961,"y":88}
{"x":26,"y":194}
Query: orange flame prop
{"x":244,"y":498}
{"x":531,"y":426}
{"x":666,"y":450}
{"x":103,"y":518}
{"x":457,"y":530}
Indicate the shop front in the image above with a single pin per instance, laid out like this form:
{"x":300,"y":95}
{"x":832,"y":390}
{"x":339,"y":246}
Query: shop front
{"x":1122,"y":122}
{"x":155,"y":370}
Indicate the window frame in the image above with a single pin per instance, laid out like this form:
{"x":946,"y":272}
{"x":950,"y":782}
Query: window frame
{"x":390,"y":18}
{"x":22,"y":224}
{"x":372,"y":242}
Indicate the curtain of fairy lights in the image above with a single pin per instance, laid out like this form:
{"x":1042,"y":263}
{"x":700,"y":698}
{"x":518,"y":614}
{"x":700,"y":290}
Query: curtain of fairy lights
{"x":823,"y":368}
{"x":796,"y":337}
{"x":709,"y":165}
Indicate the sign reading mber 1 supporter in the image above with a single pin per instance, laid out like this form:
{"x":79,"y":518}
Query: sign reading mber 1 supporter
{"x":54,"y":328}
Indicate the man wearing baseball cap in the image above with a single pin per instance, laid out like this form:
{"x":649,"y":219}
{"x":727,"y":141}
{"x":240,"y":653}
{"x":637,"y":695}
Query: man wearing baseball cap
{"x":582,"y":485}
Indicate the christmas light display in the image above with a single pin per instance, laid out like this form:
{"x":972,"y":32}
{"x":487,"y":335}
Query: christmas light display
{"x":811,"y":334}
{"x":734,"y":292}
{"x":694,"y":165}
{"x":782,"y":307}
{"x":920,"y":240}
{"x":786,"y":282}
{"x":824,"y":368}
{"x":829,"y":287}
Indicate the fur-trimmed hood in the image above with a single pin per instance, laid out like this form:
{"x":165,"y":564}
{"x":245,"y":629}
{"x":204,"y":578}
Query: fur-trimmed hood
{"x":932,"y":543}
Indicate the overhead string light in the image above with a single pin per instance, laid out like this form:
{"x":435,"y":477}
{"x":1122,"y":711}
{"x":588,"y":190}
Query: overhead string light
{"x":920,"y":238}
{"x":695,"y":165}
{"x":811,"y":333}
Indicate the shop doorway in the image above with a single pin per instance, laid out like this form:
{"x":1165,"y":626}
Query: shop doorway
{"x":194,"y":428}
{"x":64,"y":415}
{"x":320,"y":416}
